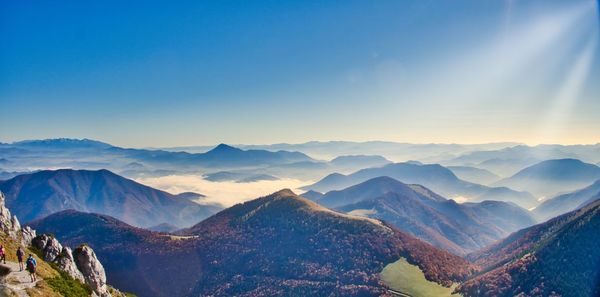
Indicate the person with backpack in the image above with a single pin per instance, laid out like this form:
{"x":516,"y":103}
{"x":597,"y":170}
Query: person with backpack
{"x":2,"y":254}
{"x":31,"y":266}
{"x":20,"y":254}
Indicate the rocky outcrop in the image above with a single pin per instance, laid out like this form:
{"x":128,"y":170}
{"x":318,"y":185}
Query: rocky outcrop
{"x":66,"y":262}
{"x":28,"y":235}
{"x":92,"y":270}
{"x":40,"y":242}
{"x":16,"y":226}
{"x":49,"y":246}
{"x":82,"y":264}
{"x":11,"y":226}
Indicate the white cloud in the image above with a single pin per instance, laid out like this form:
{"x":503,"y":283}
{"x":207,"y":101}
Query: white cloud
{"x":224,"y":193}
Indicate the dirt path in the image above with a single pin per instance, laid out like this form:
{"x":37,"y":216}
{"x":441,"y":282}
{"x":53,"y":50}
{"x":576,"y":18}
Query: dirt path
{"x":16,"y":282}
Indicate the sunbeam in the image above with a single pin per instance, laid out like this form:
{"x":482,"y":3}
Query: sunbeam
{"x":554,"y":123}
{"x":476,"y":75}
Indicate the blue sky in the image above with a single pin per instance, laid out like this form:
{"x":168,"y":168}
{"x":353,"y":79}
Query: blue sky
{"x":163,"y":73}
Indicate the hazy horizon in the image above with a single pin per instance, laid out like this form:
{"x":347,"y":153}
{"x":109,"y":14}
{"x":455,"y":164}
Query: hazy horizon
{"x":200,"y":144}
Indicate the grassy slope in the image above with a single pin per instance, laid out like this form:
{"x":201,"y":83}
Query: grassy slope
{"x":409,"y":279}
{"x":44,"y":271}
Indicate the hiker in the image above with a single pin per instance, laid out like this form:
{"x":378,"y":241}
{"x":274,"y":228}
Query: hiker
{"x":31,"y":265}
{"x":20,"y":254}
{"x":2,"y":254}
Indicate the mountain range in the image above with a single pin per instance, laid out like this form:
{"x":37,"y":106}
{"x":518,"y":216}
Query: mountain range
{"x":503,"y":159}
{"x":33,"y":196}
{"x":430,"y":152}
{"x":90,"y":154}
{"x":369,"y":228}
{"x":283,"y":244}
{"x":433,"y":176}
{"x":458,"y":228}
{"x":388,"y":149}
{"x":277,"y":245}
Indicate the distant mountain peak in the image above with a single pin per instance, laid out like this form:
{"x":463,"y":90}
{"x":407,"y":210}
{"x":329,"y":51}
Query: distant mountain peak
{"x":291,"y":201}
{"x":283,"y":203}
{"x":284,"y":193}
{"x":384,"y":179}
{"x":224,"y":148}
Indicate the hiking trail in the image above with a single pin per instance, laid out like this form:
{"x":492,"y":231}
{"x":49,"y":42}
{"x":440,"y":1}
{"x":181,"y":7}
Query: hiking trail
{"x":16,"y":282}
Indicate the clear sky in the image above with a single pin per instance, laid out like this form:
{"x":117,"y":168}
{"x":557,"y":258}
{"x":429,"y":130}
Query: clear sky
{"x":166,"y":73}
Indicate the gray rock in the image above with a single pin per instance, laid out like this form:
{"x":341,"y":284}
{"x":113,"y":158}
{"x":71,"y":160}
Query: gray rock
{"x":11,"y":226}
{"x":49,"y":246}
{"x":66,"y":262}
{"x":52,"y":250}
{"x":15,"y":224}
{"x":28,"y":236}
{"x":39,"y":242}
{"x":8,"y":223}
{"x":92,"y":270}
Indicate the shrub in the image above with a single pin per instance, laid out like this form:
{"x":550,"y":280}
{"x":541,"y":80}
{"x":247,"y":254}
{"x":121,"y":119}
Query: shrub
{"x":68,"y":286}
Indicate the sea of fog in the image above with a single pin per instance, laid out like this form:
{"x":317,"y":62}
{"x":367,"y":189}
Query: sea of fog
{"x":225,"y":193}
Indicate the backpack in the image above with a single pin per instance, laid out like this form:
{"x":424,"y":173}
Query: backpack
{"x":30,"y":265}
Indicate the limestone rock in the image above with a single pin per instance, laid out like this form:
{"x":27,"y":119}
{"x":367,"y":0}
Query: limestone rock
{"x":49,"y":246}
{"x":52,"y":250}
{"x":92,"y":270}
{"x":66,"y":262}
{"x":15,"y":224}
{"x":28,"y":236}
{"x":39,"y":242}
{"x":9,"y":224}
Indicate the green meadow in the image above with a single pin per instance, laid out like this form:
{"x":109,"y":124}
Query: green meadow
{"x":409,"y":279}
